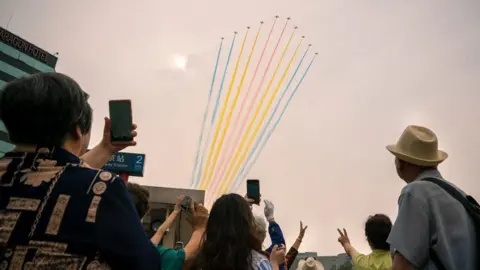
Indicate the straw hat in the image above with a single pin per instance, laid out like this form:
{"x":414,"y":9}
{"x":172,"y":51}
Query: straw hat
{"x":310,"y":264}
{"x":419,"y":146}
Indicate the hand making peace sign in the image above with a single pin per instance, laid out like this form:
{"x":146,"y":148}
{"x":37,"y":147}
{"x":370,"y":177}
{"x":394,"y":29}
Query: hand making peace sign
{"x":343,"y":239}
{"x":302,"y":230}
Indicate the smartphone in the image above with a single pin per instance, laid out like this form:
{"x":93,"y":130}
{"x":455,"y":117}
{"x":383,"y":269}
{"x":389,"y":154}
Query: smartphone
{"x":253,"y":190}
{"x":120,"y":121}
{"x":185,"y":205}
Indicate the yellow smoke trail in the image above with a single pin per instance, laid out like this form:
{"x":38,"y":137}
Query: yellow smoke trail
{"x":259,"y":124}
{"x":230,"y":113}
{"x":222,"y":113}
{"x":252,"y":121}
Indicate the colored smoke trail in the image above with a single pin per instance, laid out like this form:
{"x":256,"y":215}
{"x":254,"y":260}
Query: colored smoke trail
{"x":224,"y":186}
{"x":222,"y":115}
{"x":270,"y":119}
{"x":207,"y":109}
{"x":232,"y":108}
{"x":214,"y":114}
{"x":270,"y":132}
{"x":239,"y":143}
{"x":235,"y":129}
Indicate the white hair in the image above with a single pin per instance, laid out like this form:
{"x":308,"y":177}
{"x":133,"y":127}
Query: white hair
{"x":260,"y":227}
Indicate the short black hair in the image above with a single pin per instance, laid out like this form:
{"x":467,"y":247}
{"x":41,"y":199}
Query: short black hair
{"x":44,"y":109}
{"x":377,"y":229}
{"x":421,"y":168}
{"x":140,"y":198}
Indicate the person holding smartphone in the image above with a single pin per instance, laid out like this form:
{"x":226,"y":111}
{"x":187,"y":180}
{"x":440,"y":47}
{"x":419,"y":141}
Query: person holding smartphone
{"x":84,"y":214}
{"x":274,"y":230}
{"x":160,"y":232}
{"x":254,"y":197}
{"x":173,"y":258}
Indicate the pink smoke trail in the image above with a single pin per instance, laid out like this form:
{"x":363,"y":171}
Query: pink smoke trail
{"x":219,"y":174}
{"x":242,"y":106}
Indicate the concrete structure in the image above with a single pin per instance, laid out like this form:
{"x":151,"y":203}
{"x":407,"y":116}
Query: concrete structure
{"x":162,"y":202}
{"x":328,"y":262}
{"x":18,"y":58}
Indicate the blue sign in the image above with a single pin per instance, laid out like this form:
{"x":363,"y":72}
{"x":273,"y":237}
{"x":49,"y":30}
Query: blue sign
{"x":129,"y":163}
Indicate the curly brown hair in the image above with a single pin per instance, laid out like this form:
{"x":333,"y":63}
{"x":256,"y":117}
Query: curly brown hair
{"x":140,"y":198}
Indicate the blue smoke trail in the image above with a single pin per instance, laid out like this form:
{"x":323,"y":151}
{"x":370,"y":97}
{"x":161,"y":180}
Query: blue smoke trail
{"x":264,"y":129}
{"x":200,"y":138}
{"x":270,"y":132}
{"x":214,"y":114}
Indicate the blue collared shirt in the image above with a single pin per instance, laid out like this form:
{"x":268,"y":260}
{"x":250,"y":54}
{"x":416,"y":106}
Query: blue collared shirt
{"x":429,"y":218}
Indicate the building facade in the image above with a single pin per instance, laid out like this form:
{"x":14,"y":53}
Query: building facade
{"x":18,"y":58}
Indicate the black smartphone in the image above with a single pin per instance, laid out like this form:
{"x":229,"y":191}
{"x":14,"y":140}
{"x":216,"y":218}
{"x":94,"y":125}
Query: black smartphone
{"x":185,"y":205}
{"x":253,"y":190}
{"x":120,"y":121}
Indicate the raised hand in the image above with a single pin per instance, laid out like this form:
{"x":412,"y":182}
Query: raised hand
{"x":99,"y":155}
{"x":269,"y":210}
{"x":343,"y":239}
{"x":106,"y":140}
{"x":199,"y":216}
{"x":250,"y":201}
{"x":302,"y":230}
{"x":177,"y":208}
{"x":277,"y":256}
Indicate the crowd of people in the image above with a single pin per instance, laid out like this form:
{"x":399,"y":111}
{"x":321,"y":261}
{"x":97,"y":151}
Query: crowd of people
{"x":59,"y":210}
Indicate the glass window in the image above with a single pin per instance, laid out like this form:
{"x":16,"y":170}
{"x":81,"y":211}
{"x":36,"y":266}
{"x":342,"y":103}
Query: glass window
{"x":15,"y":72}
{"x":34,"y":63}
{"x":24,"y":58}
{"x":5,"y":147}
{"x":43,"y":67}
{"x":2,"y":126}
{"x":9,"y":50}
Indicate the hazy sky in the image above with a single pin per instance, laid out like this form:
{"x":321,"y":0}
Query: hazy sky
{"x":381,"y":66}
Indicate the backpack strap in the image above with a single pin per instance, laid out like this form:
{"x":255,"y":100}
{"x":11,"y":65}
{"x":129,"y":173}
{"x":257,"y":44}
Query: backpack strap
{"x":436,"y":260}
{"x":456,"y":195}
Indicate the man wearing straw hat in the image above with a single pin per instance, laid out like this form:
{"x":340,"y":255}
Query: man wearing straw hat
{"x":433,"y":230}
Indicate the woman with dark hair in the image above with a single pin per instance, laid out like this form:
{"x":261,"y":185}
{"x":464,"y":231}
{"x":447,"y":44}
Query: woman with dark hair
{"x":377,"y":229}
{"x":230,"y":240}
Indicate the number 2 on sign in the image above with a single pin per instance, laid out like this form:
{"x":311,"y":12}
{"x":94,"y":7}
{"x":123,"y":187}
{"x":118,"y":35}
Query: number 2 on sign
{"x":139,"y":160}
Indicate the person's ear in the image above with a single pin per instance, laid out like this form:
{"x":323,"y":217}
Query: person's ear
{"x":399,"y":164}
{"x":76,"y":133}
